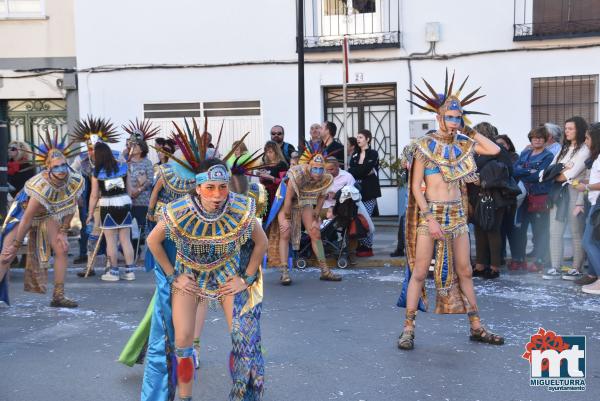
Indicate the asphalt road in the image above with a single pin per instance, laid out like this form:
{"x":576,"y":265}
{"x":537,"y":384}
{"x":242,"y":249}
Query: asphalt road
{"x":323,"y":341}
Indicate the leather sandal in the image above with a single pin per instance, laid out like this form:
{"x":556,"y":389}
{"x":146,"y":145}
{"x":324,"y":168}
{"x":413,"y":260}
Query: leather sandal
{"x":482,"y":335}
{"x":406,"y":341}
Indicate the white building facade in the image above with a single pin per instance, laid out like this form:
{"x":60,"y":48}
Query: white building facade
{"x":235,"y":61}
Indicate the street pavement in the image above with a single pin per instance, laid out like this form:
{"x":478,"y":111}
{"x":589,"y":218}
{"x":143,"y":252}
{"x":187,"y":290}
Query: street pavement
{"x":323,"y":341}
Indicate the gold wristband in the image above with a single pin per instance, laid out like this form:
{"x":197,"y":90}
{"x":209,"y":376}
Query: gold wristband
{"x":17,"y":243}
{"x":468,"y":131}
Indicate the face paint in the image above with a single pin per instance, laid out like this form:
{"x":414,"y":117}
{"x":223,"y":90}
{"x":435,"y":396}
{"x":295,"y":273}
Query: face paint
{"x":63,"y":168}
{"x":455,"y":120}
{"x":317,"y":170}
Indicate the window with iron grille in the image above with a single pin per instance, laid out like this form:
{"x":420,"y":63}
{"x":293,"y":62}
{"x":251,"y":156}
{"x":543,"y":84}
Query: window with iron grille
{"x":555,"y":99}
{"x":371,"y":107}
{"x":541,"y":19}
{"x":366,"y":23}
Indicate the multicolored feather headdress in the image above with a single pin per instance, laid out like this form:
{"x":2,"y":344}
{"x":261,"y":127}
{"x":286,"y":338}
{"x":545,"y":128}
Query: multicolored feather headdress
{"x":52,"y":146}
{"x":249,"y":164}
{"x":313,"y":155}
{"x":194,"y":145}
{"x":140,"y":131}
{"x":449,"y":100}
{"x":91,"y":130}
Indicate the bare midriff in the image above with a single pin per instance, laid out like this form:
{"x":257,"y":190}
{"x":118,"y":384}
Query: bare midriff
{"x":439,"y":190}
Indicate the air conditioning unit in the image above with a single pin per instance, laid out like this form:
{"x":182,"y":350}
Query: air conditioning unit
{"x":67,"y":82}
{"x":419,"y":127}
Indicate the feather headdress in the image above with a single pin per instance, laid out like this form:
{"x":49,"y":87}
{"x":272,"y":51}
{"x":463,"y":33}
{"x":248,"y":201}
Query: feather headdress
{"x":248,"y":164}
{"x":194,"y":145}
{"x":140,"y":131}
{"x":52,"y":146}
{"x":438,"y":102}
{"x":101,"y":128}
{"x":315,"y":154}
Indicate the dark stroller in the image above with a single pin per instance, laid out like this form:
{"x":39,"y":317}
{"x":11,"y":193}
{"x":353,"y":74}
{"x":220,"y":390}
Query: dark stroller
{"x":335,"y":234}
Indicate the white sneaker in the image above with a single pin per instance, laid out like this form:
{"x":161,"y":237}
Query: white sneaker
{"x":129,"y":276}
{"x":572,"y":275}
{"x":593,"y":288}
{"x":111,"y":275}
{"x":552,"y":274}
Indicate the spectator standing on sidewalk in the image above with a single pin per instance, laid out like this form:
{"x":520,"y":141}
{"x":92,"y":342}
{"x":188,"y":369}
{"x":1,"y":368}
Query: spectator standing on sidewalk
{"x":572,"y":156}
{"x":315,"y":136}
{"x":555,"y":134}
{"x":277,"y":136}
{"x":331,"y":146}
{"x":508,"y":221}
{"x":591,"y":244}
{"x":352,"y":147}
{"x":364,"y":166}
{"x":532,"y":161}
{"x":494,"y":178}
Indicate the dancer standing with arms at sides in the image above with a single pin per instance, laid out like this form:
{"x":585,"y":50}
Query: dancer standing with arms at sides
{"x":43,"y":209}
{"x":196,"y":244}
{"x":436,"y":221}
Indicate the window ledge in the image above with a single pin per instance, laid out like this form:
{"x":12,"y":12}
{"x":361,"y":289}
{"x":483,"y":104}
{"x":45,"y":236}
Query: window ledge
{"x":23,"y":17}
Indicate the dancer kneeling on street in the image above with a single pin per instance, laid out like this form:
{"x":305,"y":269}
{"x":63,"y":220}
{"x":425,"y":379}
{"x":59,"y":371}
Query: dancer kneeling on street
{"x":436,"y":221}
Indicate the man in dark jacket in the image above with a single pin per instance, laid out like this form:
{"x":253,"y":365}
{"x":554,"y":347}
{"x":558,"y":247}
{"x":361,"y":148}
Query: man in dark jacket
{"x":332,"y":146}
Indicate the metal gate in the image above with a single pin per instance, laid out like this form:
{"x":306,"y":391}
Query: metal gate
{"x":28,"y":118}
{"x":371,"y":107}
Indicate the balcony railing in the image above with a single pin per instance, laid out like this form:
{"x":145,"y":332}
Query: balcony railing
{"x":552,"y":19}
{"x":370,"y":24}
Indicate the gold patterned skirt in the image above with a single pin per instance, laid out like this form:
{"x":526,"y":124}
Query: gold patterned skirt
{"x":453,"y":220}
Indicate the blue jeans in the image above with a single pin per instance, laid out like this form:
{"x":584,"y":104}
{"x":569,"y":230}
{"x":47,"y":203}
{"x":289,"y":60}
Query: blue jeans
{"x":540,"y":223}
{"x":83,"y":235}
{"x":590,"y":245}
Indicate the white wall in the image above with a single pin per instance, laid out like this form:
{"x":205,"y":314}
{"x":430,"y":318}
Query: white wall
{"x":186,"y":31}
{"x":183,"y":31}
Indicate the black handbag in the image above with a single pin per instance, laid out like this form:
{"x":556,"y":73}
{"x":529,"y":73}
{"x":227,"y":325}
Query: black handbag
{"x":485,"y":212}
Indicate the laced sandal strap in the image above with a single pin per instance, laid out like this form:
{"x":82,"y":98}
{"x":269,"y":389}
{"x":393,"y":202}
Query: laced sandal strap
{"x":407,"y":338}
{"x":482,"y":334}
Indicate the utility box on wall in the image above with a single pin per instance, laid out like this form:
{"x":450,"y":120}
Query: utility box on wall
{"x":417,"y":128}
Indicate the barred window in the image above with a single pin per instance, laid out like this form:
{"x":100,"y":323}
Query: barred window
{"x":555,"y":99}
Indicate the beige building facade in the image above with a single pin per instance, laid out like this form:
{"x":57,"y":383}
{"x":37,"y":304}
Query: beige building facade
{"x":37,"y":36}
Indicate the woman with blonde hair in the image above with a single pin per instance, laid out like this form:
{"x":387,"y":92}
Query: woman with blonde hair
{"x":272,"y":178}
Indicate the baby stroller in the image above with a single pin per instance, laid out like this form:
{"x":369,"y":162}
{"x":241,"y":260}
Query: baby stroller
{"x":336,"y":233}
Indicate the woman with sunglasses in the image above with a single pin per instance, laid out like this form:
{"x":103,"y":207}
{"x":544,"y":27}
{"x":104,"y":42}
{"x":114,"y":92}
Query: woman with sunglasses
{"x":109,"y":191}
{"x":436,"y":219}
{"x":20,"y":168}
{"x":43,"y":210}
